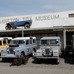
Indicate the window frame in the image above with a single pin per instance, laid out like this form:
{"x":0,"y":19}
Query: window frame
{"x":28,"y":42}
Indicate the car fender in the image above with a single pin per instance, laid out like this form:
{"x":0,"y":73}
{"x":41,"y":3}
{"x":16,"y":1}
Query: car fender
{"x":56,"y":52}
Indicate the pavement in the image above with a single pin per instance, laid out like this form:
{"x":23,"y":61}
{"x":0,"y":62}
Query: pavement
{"x":66,"y":66}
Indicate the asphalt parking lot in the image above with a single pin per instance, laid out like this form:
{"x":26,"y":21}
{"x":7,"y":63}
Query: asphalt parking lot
{"x":66,"y":66}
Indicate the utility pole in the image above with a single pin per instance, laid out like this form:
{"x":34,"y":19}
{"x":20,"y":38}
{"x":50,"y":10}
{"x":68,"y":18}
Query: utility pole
{"x":22,"y":33}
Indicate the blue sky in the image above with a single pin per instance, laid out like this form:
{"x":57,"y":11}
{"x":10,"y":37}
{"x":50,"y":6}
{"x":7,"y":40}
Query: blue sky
{"x":25,"y":7}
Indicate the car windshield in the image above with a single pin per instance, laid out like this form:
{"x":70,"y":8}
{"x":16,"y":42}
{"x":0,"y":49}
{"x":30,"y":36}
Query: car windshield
{"x":44,"y":42}
{"x":17,"y":41}
{"x":53,"y":41}
{"x":49,"y":42}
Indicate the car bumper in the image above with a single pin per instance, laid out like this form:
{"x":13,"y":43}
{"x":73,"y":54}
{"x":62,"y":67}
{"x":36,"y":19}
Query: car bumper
{"x":41,"y":57}
{"x":8,"y":56}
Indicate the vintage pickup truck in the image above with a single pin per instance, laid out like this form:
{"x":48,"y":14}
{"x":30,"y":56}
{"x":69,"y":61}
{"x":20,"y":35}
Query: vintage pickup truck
{"x":50,"y":48}
{"x":20,"y":46}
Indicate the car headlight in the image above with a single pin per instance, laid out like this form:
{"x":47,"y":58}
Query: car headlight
{"x":33,"y":53}
{"x":1,"y":51}
{"x":17,"y":50}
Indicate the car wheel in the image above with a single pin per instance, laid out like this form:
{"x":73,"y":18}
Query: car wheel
{"x":27,"y":26}
{"x":22,"y":55}
{"x":24,"y":58}
{"x":38,"y":61}
{"x":3,"y":59}
{"x":7,"y":28}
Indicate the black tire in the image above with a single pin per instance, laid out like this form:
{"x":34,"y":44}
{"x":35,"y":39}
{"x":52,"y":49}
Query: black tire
{"x":3,"y":59}
{"x":38,"y":61}
{"x":23,"y":58}
{"x":7,"y":28}
{"x":27,"y":26}
{"x":22,"y":54}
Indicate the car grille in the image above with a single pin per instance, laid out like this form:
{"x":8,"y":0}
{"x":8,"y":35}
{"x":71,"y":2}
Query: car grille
{"x":11,"y":51}
{"x":47,"y":51}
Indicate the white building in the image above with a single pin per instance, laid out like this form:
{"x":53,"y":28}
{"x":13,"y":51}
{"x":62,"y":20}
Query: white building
{"x":49,"y":24}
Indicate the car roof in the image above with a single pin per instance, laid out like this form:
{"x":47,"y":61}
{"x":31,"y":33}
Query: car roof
{"x":23,"y":38}
{"x":53,"y":37}
{"x":1,"y":38}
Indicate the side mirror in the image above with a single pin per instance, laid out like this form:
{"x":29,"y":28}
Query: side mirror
{"x":57,"y":42}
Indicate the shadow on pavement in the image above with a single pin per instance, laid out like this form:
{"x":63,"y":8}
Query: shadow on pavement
{"x":69,"y":58}
{"x":45,"y":61}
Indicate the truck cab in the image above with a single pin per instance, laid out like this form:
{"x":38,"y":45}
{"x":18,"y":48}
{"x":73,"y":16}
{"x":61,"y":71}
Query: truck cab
{"x":50,"y":48}
{"x":19,"y":46}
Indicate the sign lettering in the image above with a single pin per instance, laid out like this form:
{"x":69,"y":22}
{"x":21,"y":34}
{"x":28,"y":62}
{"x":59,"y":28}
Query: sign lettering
{"x":37,"y":18}
{"x":47,"y":17}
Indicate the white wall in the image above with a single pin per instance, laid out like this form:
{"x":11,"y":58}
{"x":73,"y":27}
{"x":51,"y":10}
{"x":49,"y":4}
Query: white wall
{"x":41,"y":20}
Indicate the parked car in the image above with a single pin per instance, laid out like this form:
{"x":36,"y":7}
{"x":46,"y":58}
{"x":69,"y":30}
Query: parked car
{"x":70,"y":47}
{"x":20,"y":46}
{"x":4,"y":42}
{"x":15,"y":24}
{"x":50,"y":48}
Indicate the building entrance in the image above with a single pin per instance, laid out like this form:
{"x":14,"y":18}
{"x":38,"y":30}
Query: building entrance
{"x":69,"y":38}
{"x":69,"y":41}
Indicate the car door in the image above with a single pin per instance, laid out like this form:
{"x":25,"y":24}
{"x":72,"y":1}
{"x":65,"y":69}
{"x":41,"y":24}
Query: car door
{"x":31,"y":45}
{"x":27,"y":46}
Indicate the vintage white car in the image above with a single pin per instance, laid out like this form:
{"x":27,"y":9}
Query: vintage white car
{"x":19,"y":46}
{"x":50,"y":48}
